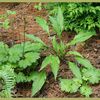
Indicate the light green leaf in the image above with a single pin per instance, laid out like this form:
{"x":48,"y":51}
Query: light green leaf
{"x":6,"y":24}
{"x":60,"y":18}
{"x":54,"y":62}
{"x":75,"y":53}
{"x":82,"y":36}
{"x":75,"y":70}
{"x":11,"y":12}
{"x":86,"y":90}
{"x":38,"y":82}
{"x":91,"y":75}
{"x":34,"y":38}
{"x":43,"y":23}
{"x":68,"y":85}
{"x":85,"y":62}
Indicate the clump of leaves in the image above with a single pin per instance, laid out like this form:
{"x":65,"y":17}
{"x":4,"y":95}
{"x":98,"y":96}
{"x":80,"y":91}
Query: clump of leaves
{"x":22,"y":57}
{"x":82,"y":77}
{"x":78,"y":16}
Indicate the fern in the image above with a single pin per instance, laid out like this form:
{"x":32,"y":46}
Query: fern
{"x":7,"y":75}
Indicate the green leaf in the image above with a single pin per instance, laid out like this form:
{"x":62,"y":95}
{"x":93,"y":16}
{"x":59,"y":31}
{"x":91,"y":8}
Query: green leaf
{"x":60,"y":18}
{"x":75,"y":53}
{"x":3,"y":52}
{"x":75,"y":70}
{"x":38,"y":82}
{"x":55,"y":45}
{"x":86,"y":90}
{"x":6,"y":24}
{"x":82,"y":36}
{"x":30,"y":57}
{"x":11,"y":12}
{"x":34,"y":38}
{"x":91,"y":75}
{"x":85,"y":62}
{"x":20,"y":77}
{"x":43,"y":23}
{"x":15,"y":53}
{"x":32,"y":76}
{"x":68,"y":85}
{"x":53,"y":61}
{"x":33,"y":47}
{"x":55,"y":25}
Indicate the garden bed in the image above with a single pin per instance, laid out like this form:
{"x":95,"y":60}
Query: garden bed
{"x":90,"y":50}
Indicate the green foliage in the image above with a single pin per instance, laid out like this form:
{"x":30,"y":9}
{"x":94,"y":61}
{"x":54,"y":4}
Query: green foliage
{"x":82,"y":36}
{"x":5,"y":17}
{"x":38,"y":82}
{"x":38,"y":6}
{"x":69,"y":85}
{"x":43,"y":24}
{"x":20,"y":77}
{"x":59,"y":48}
{"x":54,"y":63}
{"x":29,"y":58}
{"x":3,"y":53}
{"x":83,"y":77}
{"x":7,"y":79}
{"x":86,"y":90}
{"x":23,"y":57}
{"x":78,"y":16}
{"x":84,"y":62}
{"x":58,"y":22}
{"x":75,"y":70}
{"x":91,"y":75}
{"x":75,"y":53}
{"x":34,"y":38}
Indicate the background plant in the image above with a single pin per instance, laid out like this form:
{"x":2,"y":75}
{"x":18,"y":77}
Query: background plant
{"x":78,"y":16}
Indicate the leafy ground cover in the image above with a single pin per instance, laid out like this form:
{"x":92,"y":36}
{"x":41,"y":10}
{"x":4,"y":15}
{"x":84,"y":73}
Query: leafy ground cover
{"x":25,"y":21}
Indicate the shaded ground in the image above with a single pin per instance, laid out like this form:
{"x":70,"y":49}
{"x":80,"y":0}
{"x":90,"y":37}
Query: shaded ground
{"x":91,"y":50}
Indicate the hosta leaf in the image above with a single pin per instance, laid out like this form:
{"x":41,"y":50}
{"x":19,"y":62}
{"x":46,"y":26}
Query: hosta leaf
{"x":75,"y":53}
{"x":38,"y":82}
{"x":86,"y":90}
{"x":85,"y":62}
{"x":91,"y":75}
{"x":68,"y":85}
{"x":82,"y":36}
{"x":43,"y":23}
{"x":54,"y":62}
{"x":75,"y":70}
